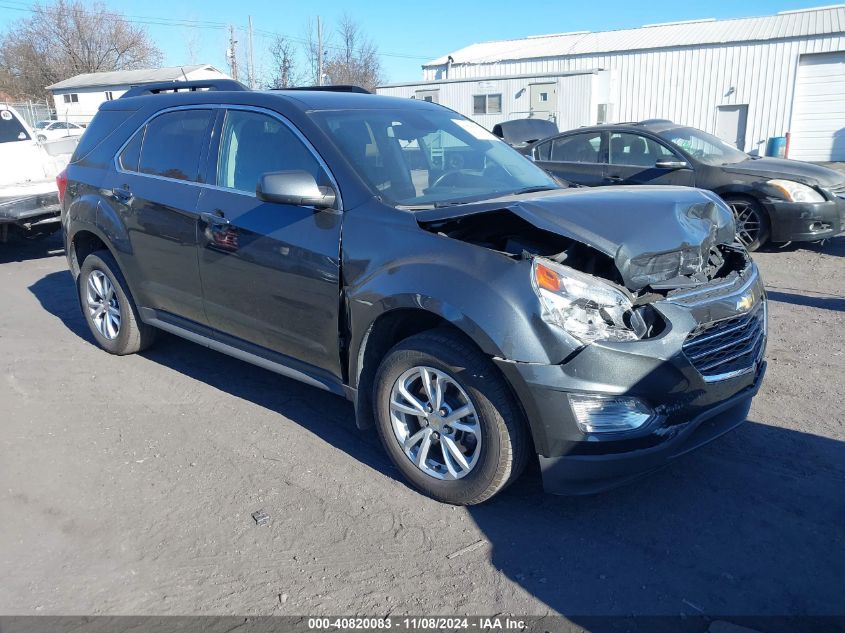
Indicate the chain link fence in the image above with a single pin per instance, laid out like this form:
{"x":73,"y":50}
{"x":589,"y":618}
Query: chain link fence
{"x":31,"y":111}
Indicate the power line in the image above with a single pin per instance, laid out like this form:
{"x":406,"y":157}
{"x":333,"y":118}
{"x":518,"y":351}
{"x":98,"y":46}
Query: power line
{"x":199,"y":24}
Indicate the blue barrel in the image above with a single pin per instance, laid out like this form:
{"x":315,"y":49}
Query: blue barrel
{"x":776,"y":146}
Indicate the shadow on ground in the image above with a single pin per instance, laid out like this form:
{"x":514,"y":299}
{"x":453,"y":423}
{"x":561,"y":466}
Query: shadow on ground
{"x":834,"y":246}
{"x":19,"y":250}
{"x":750,"y":525}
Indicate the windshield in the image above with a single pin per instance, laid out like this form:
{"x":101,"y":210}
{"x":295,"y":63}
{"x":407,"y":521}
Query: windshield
{"x":42,"y":124}
{"x":424,"y":158}
{"x":10,"y":128}
{"x":704,"y":147}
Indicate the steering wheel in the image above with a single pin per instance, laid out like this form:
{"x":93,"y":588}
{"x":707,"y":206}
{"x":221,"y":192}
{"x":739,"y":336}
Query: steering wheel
{"x":442,"y":181}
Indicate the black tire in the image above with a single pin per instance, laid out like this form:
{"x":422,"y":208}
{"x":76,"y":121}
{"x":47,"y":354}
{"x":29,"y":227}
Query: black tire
{"x":132,"y":335}
{"x":505,"y":443}
{"x":743,"y":206}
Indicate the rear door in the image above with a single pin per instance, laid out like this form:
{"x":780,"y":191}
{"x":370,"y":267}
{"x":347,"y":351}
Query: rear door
{"x":636,"y":159}
{"x":578,"y":158}
{"x":270,"y":272}
{"x":155,"y":191}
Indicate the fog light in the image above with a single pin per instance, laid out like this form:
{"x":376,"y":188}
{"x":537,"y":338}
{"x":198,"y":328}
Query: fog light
{"x":609,"y":414}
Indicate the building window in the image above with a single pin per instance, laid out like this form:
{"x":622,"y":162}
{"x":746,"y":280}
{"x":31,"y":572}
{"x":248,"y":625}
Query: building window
{"x":71,"y":98}
{"x":544,"y":96}
{"x":109,"y":95}
{"x":487,"y":104}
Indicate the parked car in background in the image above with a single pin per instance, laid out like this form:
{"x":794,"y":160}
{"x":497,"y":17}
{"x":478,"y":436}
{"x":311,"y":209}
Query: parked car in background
{"x":51,"y":130}
{"x":29,"y":203}
{"x":773,"y":199}
{"x":520,"y":133}
{"x":472,"y":314}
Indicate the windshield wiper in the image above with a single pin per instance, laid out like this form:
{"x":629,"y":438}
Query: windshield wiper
{"x":535,"y":189}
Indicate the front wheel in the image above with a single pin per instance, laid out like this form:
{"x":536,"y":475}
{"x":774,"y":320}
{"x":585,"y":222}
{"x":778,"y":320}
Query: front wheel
{"x":447,"y":419}
{"x":752,"y":222}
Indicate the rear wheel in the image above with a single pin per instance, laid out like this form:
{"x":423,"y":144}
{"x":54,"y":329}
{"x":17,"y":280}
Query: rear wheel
{"x":447,"y":419}
{"x":108,"y":307}
{"x":752,"y":222}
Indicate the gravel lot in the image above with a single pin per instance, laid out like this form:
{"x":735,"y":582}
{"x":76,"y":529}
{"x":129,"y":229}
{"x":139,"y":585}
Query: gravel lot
{"x":128,"y":486}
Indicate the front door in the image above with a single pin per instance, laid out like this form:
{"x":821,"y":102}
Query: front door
{"x":155,"y":192}
{"x":270,"y":272}
{"x":544,"y":101}
{"x":730,"y":124}
{"x":635,"y":159}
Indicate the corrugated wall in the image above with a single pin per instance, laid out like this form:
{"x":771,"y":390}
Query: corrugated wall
{"x":574,"y":93}
{"x":687,"y":84}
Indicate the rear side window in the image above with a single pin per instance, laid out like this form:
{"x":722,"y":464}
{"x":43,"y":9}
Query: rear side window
{"x":131,"y":154}
{"x":580,"y":148}
{"x":11,"y":129}
{"x":174,"y":142}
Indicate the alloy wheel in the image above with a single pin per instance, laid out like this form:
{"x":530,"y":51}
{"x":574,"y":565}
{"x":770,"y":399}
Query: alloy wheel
{"x":103,"y":306}
{"x":435,"y":423}
{"x":748,"y":222}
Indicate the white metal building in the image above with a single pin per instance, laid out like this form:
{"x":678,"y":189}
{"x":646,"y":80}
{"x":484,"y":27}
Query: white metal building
{"x":78,"y":98}
{"x":744,"y":79}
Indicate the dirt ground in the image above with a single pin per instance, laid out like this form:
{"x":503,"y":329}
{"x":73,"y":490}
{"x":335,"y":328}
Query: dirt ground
{"x":127,"y":486}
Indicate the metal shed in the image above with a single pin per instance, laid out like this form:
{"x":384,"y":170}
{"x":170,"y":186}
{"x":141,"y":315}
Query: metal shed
{"x":744,"y":79}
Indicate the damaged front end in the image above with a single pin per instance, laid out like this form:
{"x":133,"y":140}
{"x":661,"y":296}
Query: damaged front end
{"x":662,"y":311}
{"x":598,"y":266}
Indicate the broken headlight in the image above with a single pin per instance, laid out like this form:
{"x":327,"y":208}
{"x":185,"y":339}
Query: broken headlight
{"x":587,"y":308}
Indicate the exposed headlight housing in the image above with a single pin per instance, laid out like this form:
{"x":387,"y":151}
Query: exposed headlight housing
{"x":609,"y":414}
{"x":587,"y":308}
{"x":795,"y":191}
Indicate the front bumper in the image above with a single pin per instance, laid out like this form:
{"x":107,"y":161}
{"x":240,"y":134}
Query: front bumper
{"x":804,"y":221}
{"x":690,"y":409}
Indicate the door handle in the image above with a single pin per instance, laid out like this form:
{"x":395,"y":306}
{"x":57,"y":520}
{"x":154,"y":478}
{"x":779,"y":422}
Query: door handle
{"x":215,"y":217}
{"x":122,"y":194}
{"x":614,"y":178}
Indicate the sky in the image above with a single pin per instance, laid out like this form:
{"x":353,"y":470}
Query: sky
{"x":407,"y":33}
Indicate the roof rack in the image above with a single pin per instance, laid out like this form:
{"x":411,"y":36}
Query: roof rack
{"x":338,"y":88}
{"x":184,"y":86}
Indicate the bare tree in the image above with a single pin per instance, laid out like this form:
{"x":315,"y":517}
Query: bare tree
{"x":354,"y":59}
{"x":68,"y":38}
{"x":283,"y":60}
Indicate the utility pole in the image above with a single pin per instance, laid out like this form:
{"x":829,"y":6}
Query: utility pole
{"x":319,"y":52}
{"x":232,"y":53}
{"x":251,"y":58}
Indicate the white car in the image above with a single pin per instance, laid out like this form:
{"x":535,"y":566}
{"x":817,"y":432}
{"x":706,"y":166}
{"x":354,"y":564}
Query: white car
{"x":51,"y":130}
{"x":29,"y":202}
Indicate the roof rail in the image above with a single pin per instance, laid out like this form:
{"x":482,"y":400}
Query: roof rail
{"x":338,"y":88}
{"x":184,"y":86}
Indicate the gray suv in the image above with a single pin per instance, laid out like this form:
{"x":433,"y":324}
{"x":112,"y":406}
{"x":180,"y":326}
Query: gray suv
{"x":396,"y":254}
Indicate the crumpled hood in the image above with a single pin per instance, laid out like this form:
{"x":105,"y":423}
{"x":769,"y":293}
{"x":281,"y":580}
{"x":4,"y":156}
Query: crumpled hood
{"x":797,"y":170}
{"x":652,"y":233}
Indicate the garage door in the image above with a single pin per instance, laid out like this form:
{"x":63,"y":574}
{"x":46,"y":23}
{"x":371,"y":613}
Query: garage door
{"x":818,"y":112}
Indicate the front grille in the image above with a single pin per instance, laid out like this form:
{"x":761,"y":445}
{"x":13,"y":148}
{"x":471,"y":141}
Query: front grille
{"x":726,"y":348}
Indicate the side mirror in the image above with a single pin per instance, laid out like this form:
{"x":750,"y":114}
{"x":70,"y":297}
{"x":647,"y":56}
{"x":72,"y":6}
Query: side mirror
{"x":298,"y":188}
{"x":670,"y":163}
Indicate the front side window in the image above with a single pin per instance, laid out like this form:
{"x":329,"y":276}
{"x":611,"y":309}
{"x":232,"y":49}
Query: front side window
{"x":11,"y":129}
{"x":637,"y":150}
{"x":420,"y":158}
{"x":173,"y":144}
{"x":579,"y":148}
{"x":253,"y":144}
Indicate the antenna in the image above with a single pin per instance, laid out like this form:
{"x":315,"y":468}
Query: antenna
{"x":182,"y":68}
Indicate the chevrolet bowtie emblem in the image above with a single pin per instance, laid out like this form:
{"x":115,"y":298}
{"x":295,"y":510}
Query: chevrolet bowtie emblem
{"x":745,"y":302}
